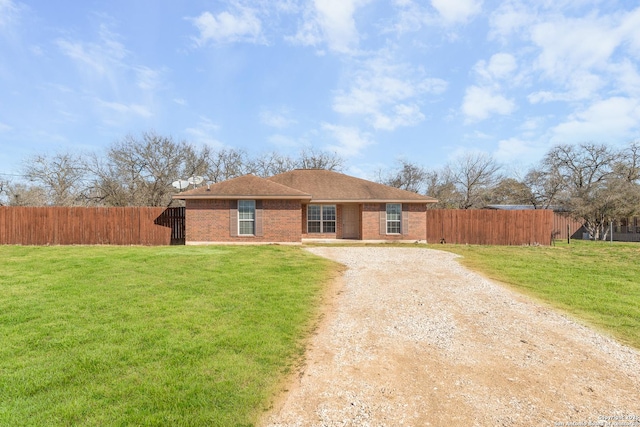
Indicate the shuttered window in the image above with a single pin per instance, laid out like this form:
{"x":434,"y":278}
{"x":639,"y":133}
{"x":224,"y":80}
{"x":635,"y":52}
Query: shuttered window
{"x":394,"y":218}
{"x":246,"y":217}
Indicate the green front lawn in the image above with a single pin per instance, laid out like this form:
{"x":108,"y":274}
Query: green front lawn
{"x":597,"y":282}
{"x":93,"y":335}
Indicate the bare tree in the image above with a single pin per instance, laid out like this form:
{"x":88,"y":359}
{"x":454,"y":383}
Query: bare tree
{"x":473,"y":175}
{"x":543,"y":187}
{"x":627,"y":164}
{"x":225,"y":164}
{"x":625,"y":182}
{"x":588,"y":180}
{"x":583,"y":166}
{"x":3,"y":193}
{"x":62,"y":176}
{"x":274,"y":163}
{"x":311,"y":158}
{"x":406,"y":176}
{"x":25,"y":195}
{"x":269,"y":164}
{"x":442,"y":190}
{"x":139,"y":171}
{"x":509,"y":191}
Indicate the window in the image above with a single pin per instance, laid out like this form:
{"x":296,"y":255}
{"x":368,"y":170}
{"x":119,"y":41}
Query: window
{"x":246,"y":217}
{"x":394,"y":215}
{"x":321,"y":219}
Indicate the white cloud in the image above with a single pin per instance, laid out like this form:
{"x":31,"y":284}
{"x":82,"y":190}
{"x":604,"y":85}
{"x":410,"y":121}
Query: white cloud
{"x":349,"y":140}
{"x":580,"y":55}
{"x":203,"y":133}
{"x":148,"y":79}
{"x":276,"y":119}
{"x":124,"y":109}
{"x":4,"y":127}
{"x":225,"y":27}
{"x":583,"y":85}
{"x":283,"y":141}
{"x":627,"y":76}
{"x":500,"y":66}
{"x":9,"y":11}
{"x":531,"y":124}
{"x":630,"y":27}
{"x":605,"y":120}
{"x":286,"y":6}
{"x":411,"y":17}
{"x":484,"y":99}
{"x":331,"y":22}
{"x":509,"y":18}
{"x":337,"y":22}
{"x":513,"y":150}
{"x":387,"y":94}
{"x":570,"y":45}
{"x":457,"y":11}
{"x":403,"y":115}
{"x":107,"y":71}
{"x":480,"y":102}
{"x":103,"y":58}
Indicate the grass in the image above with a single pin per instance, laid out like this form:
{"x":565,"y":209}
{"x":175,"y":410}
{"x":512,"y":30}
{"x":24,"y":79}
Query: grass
{"x":185,"y":336}
{"x":94,"y":335}
{"x":596,"y":282}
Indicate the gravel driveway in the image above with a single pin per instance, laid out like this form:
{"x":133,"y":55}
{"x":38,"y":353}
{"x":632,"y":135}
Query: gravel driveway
{"x":412,"y":338}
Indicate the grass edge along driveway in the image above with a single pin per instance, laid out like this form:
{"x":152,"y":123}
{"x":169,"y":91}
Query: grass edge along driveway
{"x":97,"y":335}
{"x":597,"y":283}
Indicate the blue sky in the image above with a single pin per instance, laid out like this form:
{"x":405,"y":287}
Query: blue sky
{"x":375,"y":81}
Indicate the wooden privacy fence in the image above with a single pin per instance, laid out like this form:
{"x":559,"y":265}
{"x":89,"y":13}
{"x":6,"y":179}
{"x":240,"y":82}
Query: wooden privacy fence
{"x":91,"y":226}
{"x":563,"y":224}
{"x":490,"y":227}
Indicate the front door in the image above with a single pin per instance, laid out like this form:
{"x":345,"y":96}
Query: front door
{"x":351,"y":221}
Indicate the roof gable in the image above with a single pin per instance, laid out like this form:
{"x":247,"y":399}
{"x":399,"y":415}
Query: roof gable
{"x":244,"y":187}
{"x":329,"y":186}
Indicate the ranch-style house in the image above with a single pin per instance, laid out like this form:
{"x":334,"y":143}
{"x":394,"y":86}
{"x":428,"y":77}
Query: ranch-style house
{"x":302,"y":204}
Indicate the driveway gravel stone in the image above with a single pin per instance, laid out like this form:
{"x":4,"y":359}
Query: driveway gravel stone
{"x":411,"y":338}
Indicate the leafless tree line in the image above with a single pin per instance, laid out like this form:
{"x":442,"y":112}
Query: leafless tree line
{"x":594,"y":183}
{"x":591,"y":182}
{"x":138,"y":171}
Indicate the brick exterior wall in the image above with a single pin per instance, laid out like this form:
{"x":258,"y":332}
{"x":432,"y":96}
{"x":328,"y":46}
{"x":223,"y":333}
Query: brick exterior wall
{"x":371,"y":222}
{"x":207,"y":221}
{"x":417,"y":222}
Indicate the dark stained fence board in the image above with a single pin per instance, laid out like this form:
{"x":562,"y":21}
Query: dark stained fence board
{"x":560,"y":223}
{"x":91,"y":226}
{"x":490,"y":227}
{"x":160,"y":226}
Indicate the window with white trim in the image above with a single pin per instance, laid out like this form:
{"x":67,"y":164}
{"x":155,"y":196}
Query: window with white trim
{"x":321,"y":218}
{"x":246,"y":217}
{"x":394,"y":217}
